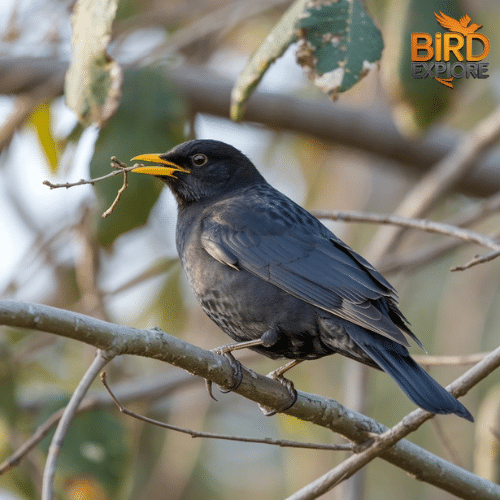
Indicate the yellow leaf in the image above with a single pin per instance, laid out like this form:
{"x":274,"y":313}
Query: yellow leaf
{"x":40,"y":119}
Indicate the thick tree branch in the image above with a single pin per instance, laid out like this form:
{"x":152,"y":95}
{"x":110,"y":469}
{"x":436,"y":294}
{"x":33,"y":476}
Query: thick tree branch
{"x":310,"y":407}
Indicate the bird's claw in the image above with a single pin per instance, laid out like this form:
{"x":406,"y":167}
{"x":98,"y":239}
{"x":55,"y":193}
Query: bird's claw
{"x":236,"y":367}
{"x":288,"y":385}
{"x":208,"y":385}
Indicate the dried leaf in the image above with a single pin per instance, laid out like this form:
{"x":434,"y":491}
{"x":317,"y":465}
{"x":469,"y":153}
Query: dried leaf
{"x":93,"y":81}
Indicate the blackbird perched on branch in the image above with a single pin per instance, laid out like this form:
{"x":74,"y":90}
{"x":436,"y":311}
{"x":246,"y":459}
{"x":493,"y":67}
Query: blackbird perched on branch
{"x":276,"y":280}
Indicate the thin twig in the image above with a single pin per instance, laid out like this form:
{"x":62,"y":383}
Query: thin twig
{"x":121,"y":167}
{"x":30,"y":443}
{"x":210,"y":435}
{"x":81,"y":182}
{"x":99,"y":362}
{"x":421,"y":224}
{"x":118,"y":196}
{"x":478,"y":259}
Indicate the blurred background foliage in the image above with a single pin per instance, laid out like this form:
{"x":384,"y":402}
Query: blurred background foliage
{"x":56,"y":248}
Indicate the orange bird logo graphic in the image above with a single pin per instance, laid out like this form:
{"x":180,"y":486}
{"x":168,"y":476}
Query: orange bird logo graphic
{"x":457,"y":26}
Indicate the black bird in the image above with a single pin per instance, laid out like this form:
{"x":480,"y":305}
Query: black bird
{"x":270,"y":274}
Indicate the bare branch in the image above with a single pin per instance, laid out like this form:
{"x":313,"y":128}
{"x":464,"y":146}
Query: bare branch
{"x":478,"y":259}
{"x":100,"y":361}
{"x":34,"y":440}
{"x":210,"y":435}
{"x":118,"y":196}
{"x":121,"y":167}
{"x":81,"y":182}
{"x":421,"y":224}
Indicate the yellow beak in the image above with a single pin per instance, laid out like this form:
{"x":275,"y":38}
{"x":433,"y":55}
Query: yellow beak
{"x":157,"y":170}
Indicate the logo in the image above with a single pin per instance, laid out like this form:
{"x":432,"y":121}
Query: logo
{"x":431,"y":57}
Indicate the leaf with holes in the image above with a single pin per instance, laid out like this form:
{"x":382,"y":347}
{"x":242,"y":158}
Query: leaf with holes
{"x":338,"y":44}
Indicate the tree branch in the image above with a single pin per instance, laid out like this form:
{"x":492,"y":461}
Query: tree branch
{"x":210,"y":435}
{"x":309,"y":407}
{"x":407,"y":222}
{"x":81,"y":182}
{"x":100,"y":361}
{"x":478,"y":259}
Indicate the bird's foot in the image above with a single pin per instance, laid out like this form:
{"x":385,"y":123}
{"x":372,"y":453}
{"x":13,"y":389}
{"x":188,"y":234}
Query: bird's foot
{"x":225,"y":351}
{"x":287,"y":384}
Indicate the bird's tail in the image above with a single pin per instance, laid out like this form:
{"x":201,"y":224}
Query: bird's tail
{"x":416,"y":383}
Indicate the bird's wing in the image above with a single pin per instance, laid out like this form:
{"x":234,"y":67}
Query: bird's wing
{"x":312,"y":265}
{"x":464,"y":21}
{"x":447,"y":22}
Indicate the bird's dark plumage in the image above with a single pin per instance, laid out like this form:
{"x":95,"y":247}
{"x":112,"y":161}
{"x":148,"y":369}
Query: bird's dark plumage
{"x":263,"y":267}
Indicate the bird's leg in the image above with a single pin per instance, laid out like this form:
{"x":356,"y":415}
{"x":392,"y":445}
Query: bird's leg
{"x":287,"y":384}
{"x":226,"y":351}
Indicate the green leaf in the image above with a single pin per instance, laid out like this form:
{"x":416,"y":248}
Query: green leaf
{"x":96,"y":447}
{"x":93,"y":80}
{"x":275,"y":44}
{"x":150,"y":119}
{"x":41,"y":119}
{"x":338,"y":44}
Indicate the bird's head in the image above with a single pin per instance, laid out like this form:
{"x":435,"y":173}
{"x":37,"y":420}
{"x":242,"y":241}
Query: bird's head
{"x":201,"y":169}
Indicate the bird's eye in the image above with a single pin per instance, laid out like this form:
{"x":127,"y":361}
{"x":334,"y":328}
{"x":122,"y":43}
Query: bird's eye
{"x":199,"y":160}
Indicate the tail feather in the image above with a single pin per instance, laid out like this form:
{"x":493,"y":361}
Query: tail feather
{"x":416,"y":383}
